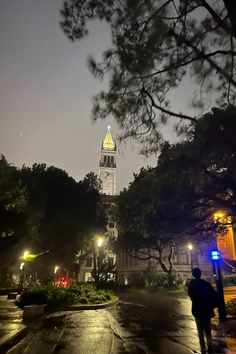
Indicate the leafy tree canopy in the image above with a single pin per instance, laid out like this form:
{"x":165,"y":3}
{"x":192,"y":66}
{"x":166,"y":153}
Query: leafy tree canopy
{"x":64,"y":213}
{"x":176,"y":201}
{"x":155,"y":44}
{"x":13,"y":204}
{"x":42,"y":208}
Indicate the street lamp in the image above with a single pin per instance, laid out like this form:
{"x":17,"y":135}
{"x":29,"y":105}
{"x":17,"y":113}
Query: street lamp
{"x":190,"y":248}
{"x":97,"y":255}
{"x":99,"y":242}
{"x":22,"y":269}
{"x":215,"y":256}
{"x":25,"y":254}
{"x":56,"y":268}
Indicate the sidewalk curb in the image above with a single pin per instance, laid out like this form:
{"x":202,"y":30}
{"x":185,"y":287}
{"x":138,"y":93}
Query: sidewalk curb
{"x":93,"y":306}
{"x":9,"y":340}
{"x":85,"y":307}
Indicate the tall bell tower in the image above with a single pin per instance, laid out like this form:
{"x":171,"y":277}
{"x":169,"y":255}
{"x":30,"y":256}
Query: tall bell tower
{"x":107,"y":164}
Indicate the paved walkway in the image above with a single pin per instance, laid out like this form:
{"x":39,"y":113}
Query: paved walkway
{"x":111,"y":332}
{"x":11,"y":327}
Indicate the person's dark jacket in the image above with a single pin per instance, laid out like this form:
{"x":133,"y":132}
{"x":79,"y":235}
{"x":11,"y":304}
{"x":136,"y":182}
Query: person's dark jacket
{"x":204,"y":298}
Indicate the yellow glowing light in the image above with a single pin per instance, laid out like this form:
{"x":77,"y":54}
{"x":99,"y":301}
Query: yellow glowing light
{"x":219,"y":216}
{"x":25,"y":254}
{"x":56,"y":269}
{"x":99,"y":242}
{"x":22,"y":266}
{"x":190,"y":246}
{"x":108,"y":143}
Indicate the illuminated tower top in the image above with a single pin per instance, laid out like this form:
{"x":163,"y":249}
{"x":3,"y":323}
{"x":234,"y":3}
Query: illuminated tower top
{"x":108,"y":143}
{"x":107,"y":164}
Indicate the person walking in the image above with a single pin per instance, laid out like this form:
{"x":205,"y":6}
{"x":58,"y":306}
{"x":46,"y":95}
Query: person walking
{"x":204,"y":300}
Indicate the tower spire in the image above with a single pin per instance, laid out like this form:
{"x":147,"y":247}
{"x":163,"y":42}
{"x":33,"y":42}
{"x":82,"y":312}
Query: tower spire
{"x":108,"y":143}
{"x":107,"y":164}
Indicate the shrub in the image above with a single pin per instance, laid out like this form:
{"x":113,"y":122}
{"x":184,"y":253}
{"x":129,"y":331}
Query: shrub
{"x":167,"y":281}
{"x":231,"y":307}
{"x":108,"y":297}
{"x":36,"y":296}
{"x":83,"y":300}
{"x":7,"y":282}
{"x":229,"y":280}
{"x":62,"y":296}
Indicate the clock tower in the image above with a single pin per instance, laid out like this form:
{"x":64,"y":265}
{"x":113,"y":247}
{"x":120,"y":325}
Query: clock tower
{"x":107,"y":164}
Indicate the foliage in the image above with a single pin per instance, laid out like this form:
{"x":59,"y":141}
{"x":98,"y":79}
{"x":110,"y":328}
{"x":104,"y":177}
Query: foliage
{"x":229,"y":280}
{"x":83,"y":300}
{"x":13,"y":202}
{"x":93,"y":182}
{"x":231,"y":307}
{"x":6,"y":282}
{"x":36,"y":296}
{"x":151,"y":222}
{"x":48,"y":212}
{"x":62,"y":214}
{"x":165,"y":205}
{"x":167,"y":281}
{"x":153,"y":281}
{"x":211,"y":151}
{"x":13,"y":225}
{"x":62,"y":296}
{"x":155,"y":46}
{"x":104,"y":271}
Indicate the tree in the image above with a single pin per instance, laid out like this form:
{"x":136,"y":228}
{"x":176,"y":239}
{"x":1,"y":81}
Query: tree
{"x":212,"y":150}
{"x":158,"y":212}
{"x":192,"y":181}
{"x":155,"y":45}
{"x":63,"y":214}
{"x":13,"y":204}
{"x":93,"y":182}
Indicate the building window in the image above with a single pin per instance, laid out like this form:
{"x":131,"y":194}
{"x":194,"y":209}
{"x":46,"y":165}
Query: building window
{"x":88,"y":277}
{"x":183,"y":258}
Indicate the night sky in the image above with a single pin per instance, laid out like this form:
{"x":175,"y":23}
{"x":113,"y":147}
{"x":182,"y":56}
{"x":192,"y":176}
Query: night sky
{"x":46,"y":92}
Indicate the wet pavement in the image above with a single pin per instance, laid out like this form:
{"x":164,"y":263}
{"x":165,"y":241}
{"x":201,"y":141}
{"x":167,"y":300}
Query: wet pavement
{"x":11,"y":326}
{"x":144,"y":323}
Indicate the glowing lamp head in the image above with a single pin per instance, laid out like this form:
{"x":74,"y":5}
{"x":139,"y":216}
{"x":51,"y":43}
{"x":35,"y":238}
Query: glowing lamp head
{"x":25,"y":254}
{"x":190,"y":246}
{"x":218,"y":216}
{"x":215,"y":255}
{"x":100,"y":242}
{"x":56,"y":269}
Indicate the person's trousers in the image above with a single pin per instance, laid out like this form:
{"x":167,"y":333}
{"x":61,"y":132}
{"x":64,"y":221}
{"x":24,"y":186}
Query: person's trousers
{"x":204,"y":328}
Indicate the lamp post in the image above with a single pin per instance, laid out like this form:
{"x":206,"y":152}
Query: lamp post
{"x":215,"y":256}
{"x":97,"y":260}
{"x":99,"y":244}
{"x":22,"y":269}
{"x":190,"y":248}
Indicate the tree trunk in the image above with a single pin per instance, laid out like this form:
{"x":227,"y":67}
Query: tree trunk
{"x":163,"y":266}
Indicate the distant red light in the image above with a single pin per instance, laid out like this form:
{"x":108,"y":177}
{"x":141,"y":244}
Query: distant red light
{"x":62,"y":281}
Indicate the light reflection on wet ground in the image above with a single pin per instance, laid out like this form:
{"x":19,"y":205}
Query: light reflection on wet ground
{"x":138,"y":324}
